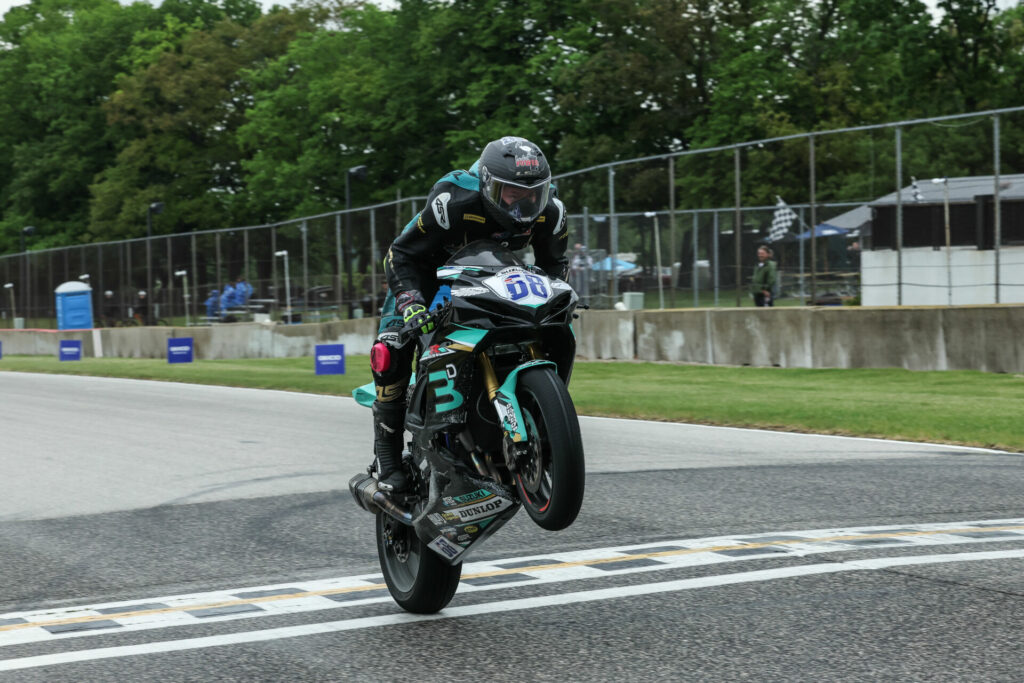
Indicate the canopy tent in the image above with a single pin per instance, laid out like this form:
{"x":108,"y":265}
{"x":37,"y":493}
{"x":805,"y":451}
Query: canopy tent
{"x":823,"y":230}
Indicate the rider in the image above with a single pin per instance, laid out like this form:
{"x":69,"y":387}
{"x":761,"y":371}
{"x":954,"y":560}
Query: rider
{"x":505,"y":196}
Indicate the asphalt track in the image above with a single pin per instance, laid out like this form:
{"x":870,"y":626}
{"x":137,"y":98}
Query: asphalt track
{"x":189,"y":533}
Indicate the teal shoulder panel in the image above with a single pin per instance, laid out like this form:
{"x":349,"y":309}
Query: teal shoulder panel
{"x":464,"y":179}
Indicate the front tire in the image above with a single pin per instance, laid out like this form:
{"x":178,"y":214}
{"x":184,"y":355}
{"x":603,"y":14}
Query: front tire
{"x":550,"y":480}
{"x":417,"y":578}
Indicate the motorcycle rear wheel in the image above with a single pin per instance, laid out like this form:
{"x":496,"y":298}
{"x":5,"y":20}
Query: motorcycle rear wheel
{"x":417,"y":578}
{"x":551,"y":479}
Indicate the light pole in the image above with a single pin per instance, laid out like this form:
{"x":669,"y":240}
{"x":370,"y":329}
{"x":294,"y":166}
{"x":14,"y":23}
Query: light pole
{"x":27,"y":230}
{"x":10,"y":288}
{"x":287,"y":285}
{"x":183,"y":274}
{"x":359,"y":173}
{"x":949,"y":257}
{"x":153,"y":208}
{"x":657,"y":255}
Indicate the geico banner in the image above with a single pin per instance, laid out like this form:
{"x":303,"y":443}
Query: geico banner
{"x":70,"y":349}
{"x":179,"y":350}
{"x":330,"y":359}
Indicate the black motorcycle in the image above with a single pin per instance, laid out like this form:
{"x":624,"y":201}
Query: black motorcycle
{"x":493,"y":427}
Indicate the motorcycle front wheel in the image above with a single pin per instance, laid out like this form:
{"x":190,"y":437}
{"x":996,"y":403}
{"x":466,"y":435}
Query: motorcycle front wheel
{"x":550,"y":479}
{"x":417,"y":578}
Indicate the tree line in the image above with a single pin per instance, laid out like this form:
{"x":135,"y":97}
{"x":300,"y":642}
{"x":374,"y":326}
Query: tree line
{"x":231,"y":115}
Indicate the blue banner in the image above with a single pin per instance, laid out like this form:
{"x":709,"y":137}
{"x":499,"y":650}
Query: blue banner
{"x":1,"y":349}
{"x":330,"y":359}
{"x":179,"y":350}
{"x":70,"y":349}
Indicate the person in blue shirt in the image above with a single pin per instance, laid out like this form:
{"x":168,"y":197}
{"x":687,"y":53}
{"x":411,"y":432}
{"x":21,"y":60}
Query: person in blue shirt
{"x":213,"y":304}
{"x":243,"y":291}
{"x":228,"y":297}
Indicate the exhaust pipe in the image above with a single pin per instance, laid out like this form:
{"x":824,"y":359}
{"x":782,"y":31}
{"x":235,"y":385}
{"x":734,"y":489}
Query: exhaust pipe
{"x":363,"y":488}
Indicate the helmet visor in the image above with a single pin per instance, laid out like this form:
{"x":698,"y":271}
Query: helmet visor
{"x":523,"y":203}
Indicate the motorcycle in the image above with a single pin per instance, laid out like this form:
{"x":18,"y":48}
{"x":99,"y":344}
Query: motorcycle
{"x":493,"y":426}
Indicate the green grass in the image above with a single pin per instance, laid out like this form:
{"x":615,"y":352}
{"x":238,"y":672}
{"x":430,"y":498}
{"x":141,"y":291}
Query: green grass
{"x":961,"y":407}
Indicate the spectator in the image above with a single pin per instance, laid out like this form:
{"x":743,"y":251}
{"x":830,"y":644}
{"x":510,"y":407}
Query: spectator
{"x":765,"y":277}
{"x":243,"y":291}
{"x":853,"y":255}
{"x":228,"y":300}
{"x":140,"y":311}
{"x":213,"y":304}
{"x":228,"y":297}
{"x":110,"y":312}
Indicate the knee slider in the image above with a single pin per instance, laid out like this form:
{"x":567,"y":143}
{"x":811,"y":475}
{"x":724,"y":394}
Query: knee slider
{"x":389,"y":361}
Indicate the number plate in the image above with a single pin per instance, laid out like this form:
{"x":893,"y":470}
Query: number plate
{"x":520,"y":286}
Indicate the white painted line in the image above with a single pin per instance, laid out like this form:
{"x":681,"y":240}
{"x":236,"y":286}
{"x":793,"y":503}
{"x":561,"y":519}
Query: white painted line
{"x":497,"y":607}
{"x":550,"y":568}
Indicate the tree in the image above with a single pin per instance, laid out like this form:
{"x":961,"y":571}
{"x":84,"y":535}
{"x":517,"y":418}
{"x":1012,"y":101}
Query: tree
{"x":60,"y":61}
{"x":183,"y":110}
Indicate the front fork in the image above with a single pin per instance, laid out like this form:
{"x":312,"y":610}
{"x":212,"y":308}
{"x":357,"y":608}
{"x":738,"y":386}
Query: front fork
{"x":515,"y":442}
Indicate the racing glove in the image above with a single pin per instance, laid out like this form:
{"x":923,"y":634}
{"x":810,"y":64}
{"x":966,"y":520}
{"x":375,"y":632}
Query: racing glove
{"x":417,"y":318}
{"x":414,"y":311}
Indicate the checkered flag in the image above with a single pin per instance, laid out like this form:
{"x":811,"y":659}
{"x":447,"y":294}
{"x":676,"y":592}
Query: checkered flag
{"x":784,"y":217}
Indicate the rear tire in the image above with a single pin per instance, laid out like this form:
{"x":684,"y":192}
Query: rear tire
{"x":551,"y":479}
{"x":417,"y":578}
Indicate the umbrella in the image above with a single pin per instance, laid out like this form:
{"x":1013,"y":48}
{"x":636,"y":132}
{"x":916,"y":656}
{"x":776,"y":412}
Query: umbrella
{"x":620,"y":267}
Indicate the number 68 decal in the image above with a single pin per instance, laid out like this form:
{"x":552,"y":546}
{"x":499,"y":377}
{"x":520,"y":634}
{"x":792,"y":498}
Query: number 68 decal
{"x":520,"y":285}
{"x":515,"y":284}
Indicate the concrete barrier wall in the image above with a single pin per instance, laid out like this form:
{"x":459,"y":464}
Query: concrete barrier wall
{"x":987,"y":338}
{"x":239,"y":340}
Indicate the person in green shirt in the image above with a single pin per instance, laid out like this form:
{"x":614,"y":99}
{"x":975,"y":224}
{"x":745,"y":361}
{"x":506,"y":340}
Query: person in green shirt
{"x":765,"y":276}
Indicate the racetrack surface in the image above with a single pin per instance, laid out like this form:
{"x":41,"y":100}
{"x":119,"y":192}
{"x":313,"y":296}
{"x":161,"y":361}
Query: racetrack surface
{"x":194,"y":533}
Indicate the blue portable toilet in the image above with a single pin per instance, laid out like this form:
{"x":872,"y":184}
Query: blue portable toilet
{"x":74,"y":306}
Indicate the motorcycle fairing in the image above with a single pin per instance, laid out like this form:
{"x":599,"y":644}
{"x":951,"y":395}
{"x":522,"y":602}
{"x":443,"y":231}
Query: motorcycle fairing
{"x":507,"y":404}
{"x":462,"y":509}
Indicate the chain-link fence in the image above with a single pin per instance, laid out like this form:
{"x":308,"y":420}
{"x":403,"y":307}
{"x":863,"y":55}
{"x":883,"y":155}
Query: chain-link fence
{"x":929,"y":211}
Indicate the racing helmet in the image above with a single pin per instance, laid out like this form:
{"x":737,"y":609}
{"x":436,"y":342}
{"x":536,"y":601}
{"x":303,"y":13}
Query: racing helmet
{"x":515,"y":181}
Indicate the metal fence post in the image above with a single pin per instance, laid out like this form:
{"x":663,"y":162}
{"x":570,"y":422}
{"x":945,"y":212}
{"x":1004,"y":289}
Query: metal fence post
{"x":273,"y":264}
{"x":585,"y":237}
{"x":339,"y":260}
{"x":814,"y":223}
{"x":696,"y":283}
{"x":195,"y":280}
{"x":714,"y":252}
{"x":218,"y":278}
{"x":672,"y":223}
{"x":997,"y":219}
{"x":803,"y":288}
{"x":737,"y":228}
{"x":304,"y":228}
{"x":613,"y":285}
{"x":373,"y":264}
{"x":899,"y":216}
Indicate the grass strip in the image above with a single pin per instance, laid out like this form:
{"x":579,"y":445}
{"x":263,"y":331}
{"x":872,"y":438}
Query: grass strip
{"x":957,"y":407}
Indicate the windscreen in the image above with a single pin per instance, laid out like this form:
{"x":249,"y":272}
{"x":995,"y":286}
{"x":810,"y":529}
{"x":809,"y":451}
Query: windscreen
{"x":484,"y":253}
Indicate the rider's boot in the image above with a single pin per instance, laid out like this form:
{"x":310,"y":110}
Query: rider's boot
{"x":388,"y":433}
